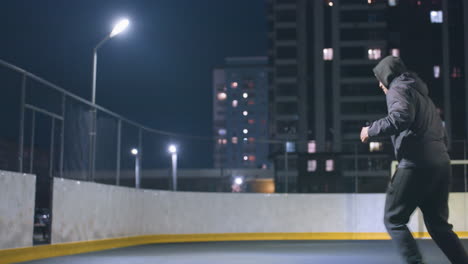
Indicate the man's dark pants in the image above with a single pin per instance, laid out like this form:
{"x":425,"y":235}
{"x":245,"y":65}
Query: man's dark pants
{"x":428,"y":189}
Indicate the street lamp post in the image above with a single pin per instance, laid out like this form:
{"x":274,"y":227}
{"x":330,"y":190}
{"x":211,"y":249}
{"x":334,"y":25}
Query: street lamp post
{"x":173,"y":152}
{"x":137,"y":167}
{"x":118,"y":28}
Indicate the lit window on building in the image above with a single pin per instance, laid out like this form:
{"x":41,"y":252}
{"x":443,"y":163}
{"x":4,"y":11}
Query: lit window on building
{"x":330,"y":165}
{"x":222,"y":96}
{"x":311,"y":165}
{"x":371,"y":1}
{"x":375,"y":146}
{"x":252,"y":158}
{"x":245,"y":131}
{"x":436,"y":71}
{"x":246,"y":140}
{"x":220,"y":141}
{"x":395,"y":52}
{"x":251,"y":140}
{"x":245,"y":95}
{"x":290,"y":147}
{"x":456,"y":72}
{"x":375,"y":54}
{"x":234,"y":103}
{"x":251,"y":102}
{"x":234,"y":140}
{"x":436,"y":17}
{"x":251,"y":121}
{"x":246,"y":158}
{"x":234,"y":85}
{"x":392,"y":2}
{"x":328,"y":54}
{"x":245,"y":113}
{"x":224,"y":141}
{"x":311,"y":146}
{"x":222,"y":131}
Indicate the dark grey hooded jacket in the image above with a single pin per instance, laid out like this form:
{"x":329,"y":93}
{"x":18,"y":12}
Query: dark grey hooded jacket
{"x":413,"y":122}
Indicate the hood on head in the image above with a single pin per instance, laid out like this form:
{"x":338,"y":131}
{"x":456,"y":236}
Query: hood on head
{"x":388,"y":69}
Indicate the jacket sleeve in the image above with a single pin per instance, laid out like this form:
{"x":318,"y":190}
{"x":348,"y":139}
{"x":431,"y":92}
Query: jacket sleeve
{"x":400,"y":116}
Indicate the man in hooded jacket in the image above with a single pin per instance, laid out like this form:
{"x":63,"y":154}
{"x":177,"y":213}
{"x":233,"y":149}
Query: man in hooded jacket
{"x":423,"y":175}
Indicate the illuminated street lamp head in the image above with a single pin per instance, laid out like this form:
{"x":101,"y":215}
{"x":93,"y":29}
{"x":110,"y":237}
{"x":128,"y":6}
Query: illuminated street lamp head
{"x":134,"y":151}
{"x":119,"y":27}
{"x":172,"y":149}
{"x":238,"y":180}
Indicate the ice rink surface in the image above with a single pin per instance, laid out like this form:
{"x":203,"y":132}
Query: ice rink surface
{"x":256,"y":252}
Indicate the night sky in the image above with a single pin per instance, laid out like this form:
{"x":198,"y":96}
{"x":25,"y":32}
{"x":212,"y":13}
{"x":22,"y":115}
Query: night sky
{"x":158,"y":72}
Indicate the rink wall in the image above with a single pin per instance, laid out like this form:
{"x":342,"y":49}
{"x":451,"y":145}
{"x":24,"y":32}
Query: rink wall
{"x":91,"y":217}
{"x":17,"y":197}
{"x":86,"y":211}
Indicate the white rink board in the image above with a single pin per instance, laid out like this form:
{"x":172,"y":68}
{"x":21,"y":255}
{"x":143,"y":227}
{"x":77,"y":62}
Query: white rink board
{"x":17,"y":197}
{"x":89,"y":211}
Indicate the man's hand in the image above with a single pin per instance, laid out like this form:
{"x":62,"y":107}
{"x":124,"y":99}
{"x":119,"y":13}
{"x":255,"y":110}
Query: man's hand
{"x":365,"y":134}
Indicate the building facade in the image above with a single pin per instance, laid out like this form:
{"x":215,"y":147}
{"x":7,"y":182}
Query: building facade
{"x":241,"y":113}
{"x":321,"y":55}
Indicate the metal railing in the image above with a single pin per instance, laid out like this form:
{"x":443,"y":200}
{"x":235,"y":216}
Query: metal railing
{"x":59,"y":119}
{"x":353,"y":163}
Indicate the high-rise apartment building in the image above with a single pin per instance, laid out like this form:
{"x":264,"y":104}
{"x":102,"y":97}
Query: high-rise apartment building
{"x":321,"y":55}
{"x":241,"y":113}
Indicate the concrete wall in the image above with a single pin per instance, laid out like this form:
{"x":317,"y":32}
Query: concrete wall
{"x":17,"y":197}
{"x":88,"y":211}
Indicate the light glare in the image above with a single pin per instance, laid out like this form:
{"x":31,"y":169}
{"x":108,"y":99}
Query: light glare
{"x":172,"y":149}
{"x":222,"y":96}
{"x":436,"y":71}
{"x":238,"y":181}
{"x":328,"y":54}
{"x":395,"y":52}
{"x":437,"y":16}
{"x":119,"y":27}
{"x":374,"y":54}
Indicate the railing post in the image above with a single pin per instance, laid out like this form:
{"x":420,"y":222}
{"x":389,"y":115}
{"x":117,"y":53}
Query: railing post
{"x":21,"y":130}
{"x":62,"y":136}
{"x":33,"y":133}
{"x":92,"y":143}
{"x":119,"y":136}
{"x":138,"y":160}
{"x":52,"y":143}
